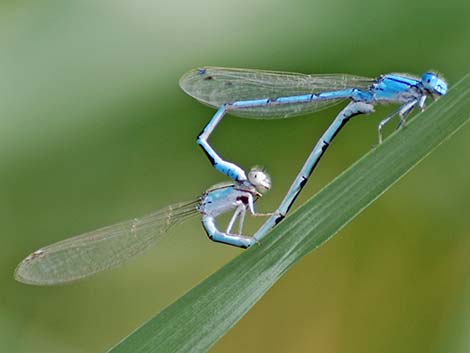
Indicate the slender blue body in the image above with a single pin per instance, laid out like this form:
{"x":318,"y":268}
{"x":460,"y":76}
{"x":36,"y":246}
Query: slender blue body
{"x":251,"y":92}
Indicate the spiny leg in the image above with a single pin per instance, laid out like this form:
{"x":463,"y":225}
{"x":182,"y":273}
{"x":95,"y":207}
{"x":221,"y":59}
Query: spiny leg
{"x":241,"y":220}
{"x":214,"y":234}
{"x":402,"y":113}
{"x":236,"y":214}
{"x":383,"y":123}
{"x":251,"y":206}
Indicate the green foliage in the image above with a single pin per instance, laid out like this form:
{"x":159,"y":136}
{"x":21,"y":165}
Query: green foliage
{"x":200,"y":317}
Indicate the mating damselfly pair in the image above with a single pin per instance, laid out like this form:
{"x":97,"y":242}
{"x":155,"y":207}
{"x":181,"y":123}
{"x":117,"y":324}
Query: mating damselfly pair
{"x":245,"y":93}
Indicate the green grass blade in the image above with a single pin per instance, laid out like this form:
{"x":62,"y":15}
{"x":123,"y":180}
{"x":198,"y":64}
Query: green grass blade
{"x":199,"y":318}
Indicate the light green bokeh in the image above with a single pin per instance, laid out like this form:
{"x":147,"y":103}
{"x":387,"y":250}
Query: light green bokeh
{"x":94,"y":130}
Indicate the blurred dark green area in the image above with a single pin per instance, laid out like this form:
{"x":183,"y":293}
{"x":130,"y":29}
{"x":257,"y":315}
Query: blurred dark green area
{"x":94,"y":129}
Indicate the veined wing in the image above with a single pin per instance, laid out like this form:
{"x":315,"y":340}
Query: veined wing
{"x":215,"y":86}
{"x":84,"y":255}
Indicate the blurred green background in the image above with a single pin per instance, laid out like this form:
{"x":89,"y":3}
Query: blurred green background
{"x":94,"y":129}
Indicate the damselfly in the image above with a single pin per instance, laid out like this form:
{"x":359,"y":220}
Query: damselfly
{"x":270,"y":94}
{"x":84,"y":255}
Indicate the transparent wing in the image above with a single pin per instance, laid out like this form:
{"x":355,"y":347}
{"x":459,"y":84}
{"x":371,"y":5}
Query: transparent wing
{"x":84,"y":255}
{"x":215,"y":86}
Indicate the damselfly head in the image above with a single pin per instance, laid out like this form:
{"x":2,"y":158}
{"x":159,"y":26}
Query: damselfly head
{"x":434,"y":84}
{"x":259,"y":179}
